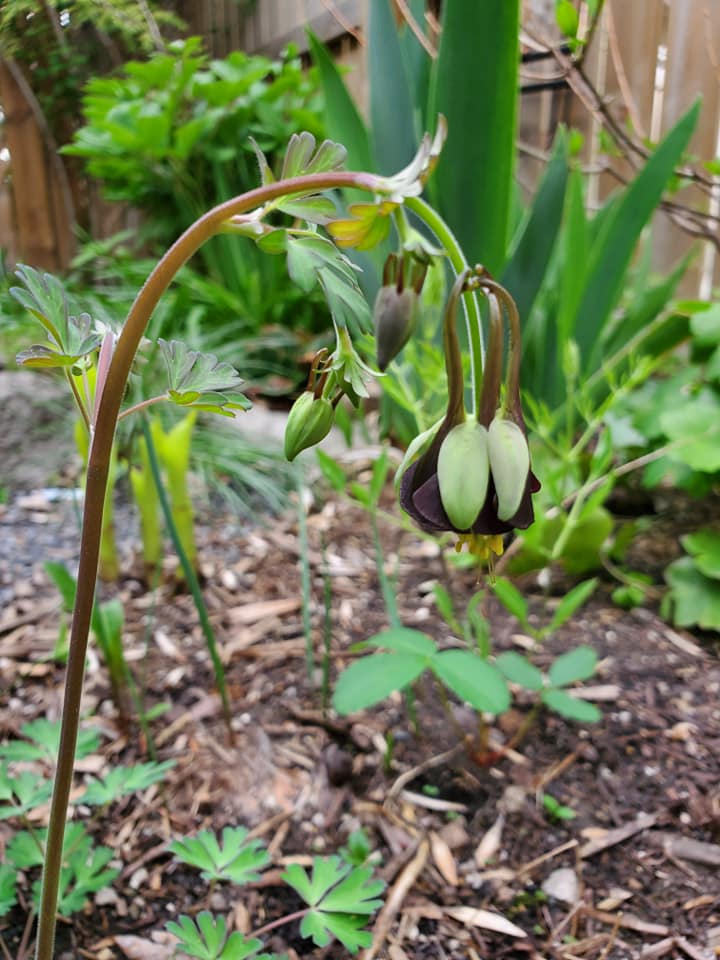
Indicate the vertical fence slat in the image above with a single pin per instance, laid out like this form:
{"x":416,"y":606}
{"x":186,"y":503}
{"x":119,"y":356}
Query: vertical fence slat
{"x":690,"y":72}
{"x":36,"y":240}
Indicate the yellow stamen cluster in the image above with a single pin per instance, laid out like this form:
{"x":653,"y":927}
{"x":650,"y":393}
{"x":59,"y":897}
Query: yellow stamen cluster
{"x":480,"y":545}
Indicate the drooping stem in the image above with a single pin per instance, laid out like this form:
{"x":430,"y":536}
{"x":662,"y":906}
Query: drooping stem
{"x":108,"y":408}
{"x":457,"y":259}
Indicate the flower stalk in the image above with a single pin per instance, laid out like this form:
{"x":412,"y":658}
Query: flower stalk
{"x":104,"y":421}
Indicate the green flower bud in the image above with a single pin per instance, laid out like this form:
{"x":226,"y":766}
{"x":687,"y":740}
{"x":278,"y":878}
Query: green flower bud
{"x":309,"y":422}
{"x":395,"y":315}
{"x":463,"y":472}
{"x":509,"y":465}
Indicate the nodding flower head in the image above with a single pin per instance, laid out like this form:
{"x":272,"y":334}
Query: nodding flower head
{"x":474,"y":478}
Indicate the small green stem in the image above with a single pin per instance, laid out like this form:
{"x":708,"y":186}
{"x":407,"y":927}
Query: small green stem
{"x":142,"y":406}
{"x":385,"y":586}
{"x":79,"y":402}
{"x":435,"y":222}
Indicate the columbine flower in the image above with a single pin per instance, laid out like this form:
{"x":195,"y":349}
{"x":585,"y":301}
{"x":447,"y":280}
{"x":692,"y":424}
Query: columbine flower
{"x":474,"y":478}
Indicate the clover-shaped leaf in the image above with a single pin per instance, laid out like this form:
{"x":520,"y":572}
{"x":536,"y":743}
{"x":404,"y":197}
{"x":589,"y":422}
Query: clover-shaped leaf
{"x":341,"y":898}
{"x":235,"y":859}
{"x":202,"y":381}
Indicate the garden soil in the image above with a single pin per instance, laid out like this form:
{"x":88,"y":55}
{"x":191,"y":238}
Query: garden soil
{"x":475,"y":866}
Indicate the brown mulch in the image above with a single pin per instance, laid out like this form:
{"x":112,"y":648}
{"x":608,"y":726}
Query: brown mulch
{"x":462,"y":838}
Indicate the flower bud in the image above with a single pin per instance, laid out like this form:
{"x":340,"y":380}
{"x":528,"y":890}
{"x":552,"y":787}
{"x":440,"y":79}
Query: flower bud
{"x":463,"y":473}
{"x":509,"y":465}
{"x":308,"y":422}
{"x":395,"y":315}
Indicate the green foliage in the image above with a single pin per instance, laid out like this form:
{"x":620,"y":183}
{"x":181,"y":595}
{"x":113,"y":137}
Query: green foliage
{"x":234,"y":859}
{"x":176,"y":135}
{"x":42,"y":741}
{"x":372,"y":678}
{"x":206,"y":938}
{"x":8,"y":897}
{"x":84,"y":869}
{"x":556,"y":810}
{"x":341,"y":898}
{"x":514,"y":602}
{"x":121,"y":781}
{"x":694,"y":581}
{"x":569,"y":668}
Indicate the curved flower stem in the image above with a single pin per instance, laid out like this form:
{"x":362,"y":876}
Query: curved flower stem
{"x":108,"y":408}
{"x":457,"y":259}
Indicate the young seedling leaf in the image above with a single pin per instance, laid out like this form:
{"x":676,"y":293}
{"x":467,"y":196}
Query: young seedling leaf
{"x":332,"y":471}
{"x":404,"y":640}
{"x":472,"y":679}
{"x":577,"y":664}
{"x":511,"y":598}
{"x":570,"y":707}
{"x":518,"y":669}
{"x":235,"y":859}
{"x":21,"y":792}
{"x":371,"y":679}
{"x":571,"y":602}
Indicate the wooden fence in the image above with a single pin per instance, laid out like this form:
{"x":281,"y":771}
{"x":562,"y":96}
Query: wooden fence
{"x":649,"y":60}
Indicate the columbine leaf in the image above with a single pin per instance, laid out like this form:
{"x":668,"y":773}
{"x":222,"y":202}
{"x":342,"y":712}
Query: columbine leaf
{"x":315,"y":258}
{"x":338,"y":893}
{"x":577,"y":664}
{"x":22,"y":792}
{"x":45,"y":737}
{"x":191,"y":370}
{"x":207,"y":939}
{"x":695,"y":597}
{"x":236,"y":859}
{"x":473,"y":679}
{"x":121,"y":781}
{"x":302,"y":158}
{"x":201,"y":381}
{"x":43,"y":295}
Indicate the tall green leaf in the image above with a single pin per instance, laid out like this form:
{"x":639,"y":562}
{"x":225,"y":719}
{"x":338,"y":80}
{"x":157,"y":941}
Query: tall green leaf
{"x":417,"y":65}
{"x":615,"y":243}
{"x":343,"y":120}
{"x":530,"y":256}
{"x":475,"y":85}
{"x":391,"y":99}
